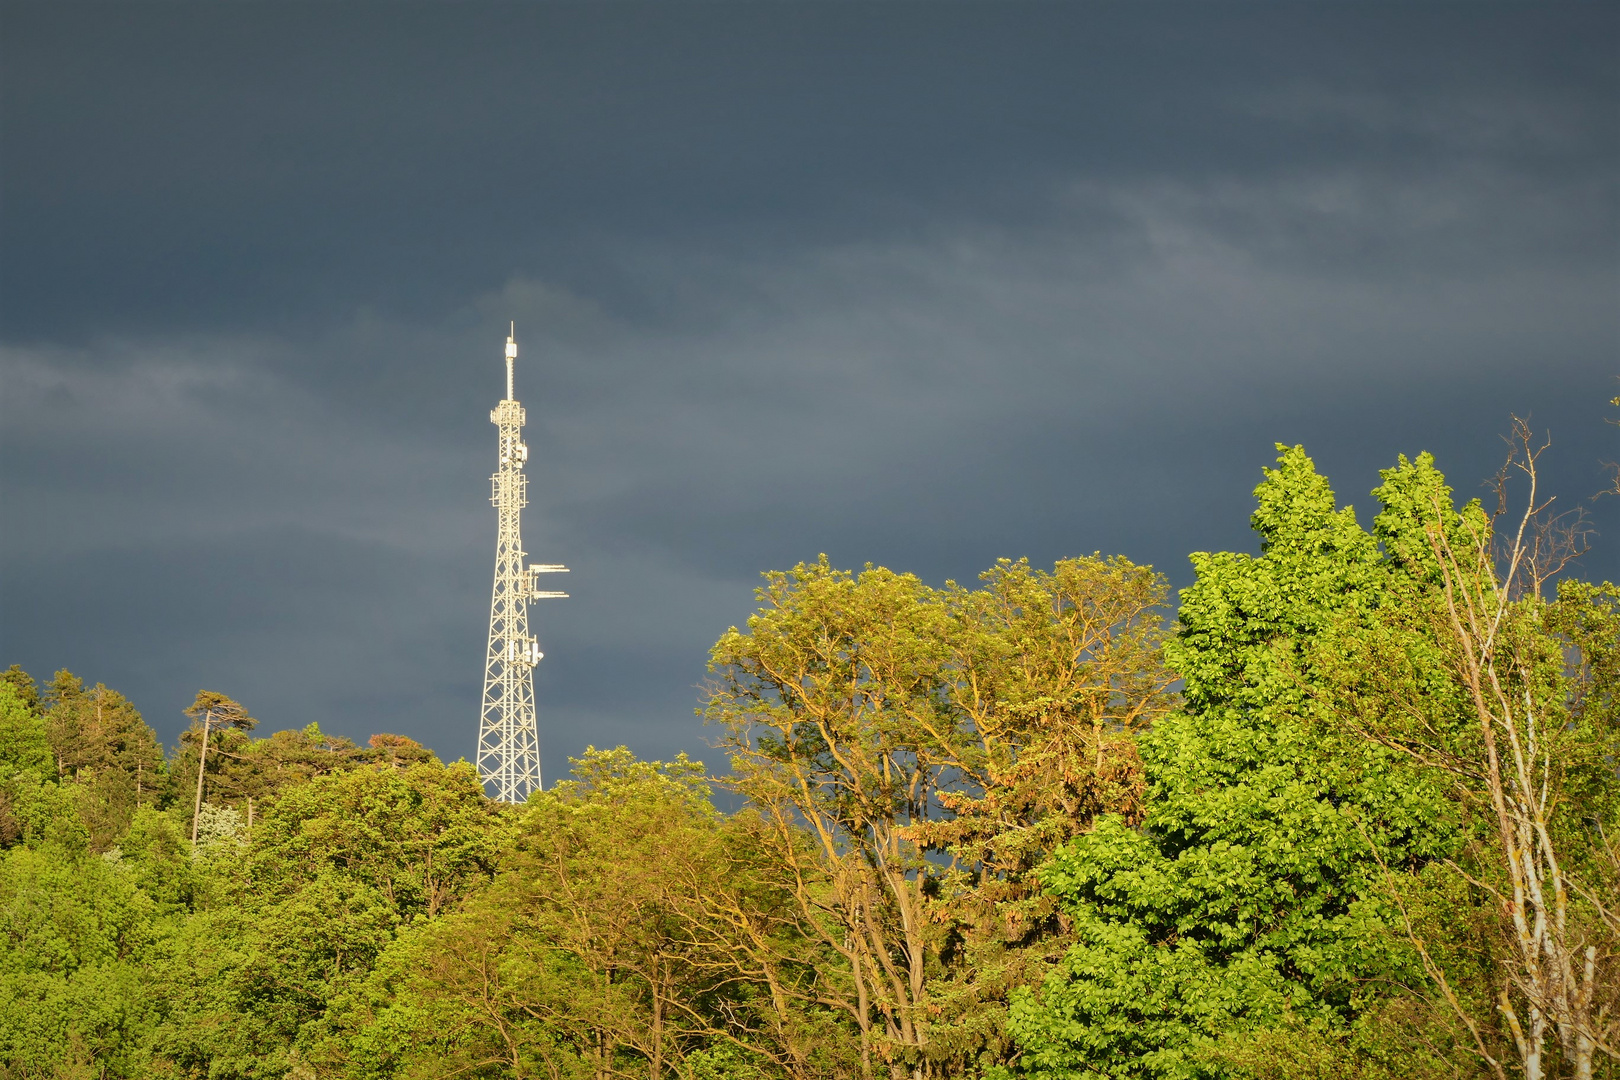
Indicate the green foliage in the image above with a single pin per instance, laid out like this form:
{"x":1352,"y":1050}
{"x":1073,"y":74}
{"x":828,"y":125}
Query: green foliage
{"x":99,"y":730}
{"x":215,"y":709}
{"x":1251,"y":895}
{"x":157,"y":855}
{"x":621,"y":936}
{"x":333,"y":870}
{"x":124,"y":952}
{"x":74,"y":929}
{"x":100,"y":743}
{"x":1411,"y":678}
{"x":25,"y":767}
{"x":22,"y":684}
{"x":243,"y":772}
{"x":23,"y":744}
{"x":1587,"y":618}
{"x":980,"y":836}
{"x":915,"y":753}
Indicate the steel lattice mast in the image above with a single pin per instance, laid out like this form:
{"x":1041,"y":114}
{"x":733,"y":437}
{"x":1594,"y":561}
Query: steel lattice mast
{"x":508,"y":740}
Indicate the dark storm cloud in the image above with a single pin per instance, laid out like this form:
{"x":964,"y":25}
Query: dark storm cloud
{"x":235,"y":162}
{"x":919,"y":285}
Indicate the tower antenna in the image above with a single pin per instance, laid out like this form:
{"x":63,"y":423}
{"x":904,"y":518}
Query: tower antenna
{"x":508,"y":738}
{"x":511,"y":357}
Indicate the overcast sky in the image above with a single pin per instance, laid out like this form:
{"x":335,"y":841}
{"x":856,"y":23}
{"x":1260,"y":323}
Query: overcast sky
{"x":915,"y":284}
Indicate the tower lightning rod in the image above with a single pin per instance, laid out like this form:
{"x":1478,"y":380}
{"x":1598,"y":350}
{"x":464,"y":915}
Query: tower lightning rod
{"x":508,"y":736}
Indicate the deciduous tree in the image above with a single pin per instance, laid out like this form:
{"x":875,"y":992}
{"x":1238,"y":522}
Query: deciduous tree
{"x":935,"y":746}
{"x":1248,"y":899}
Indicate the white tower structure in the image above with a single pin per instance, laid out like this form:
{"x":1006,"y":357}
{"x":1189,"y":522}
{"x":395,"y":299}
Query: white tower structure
{"x":508,"y":740}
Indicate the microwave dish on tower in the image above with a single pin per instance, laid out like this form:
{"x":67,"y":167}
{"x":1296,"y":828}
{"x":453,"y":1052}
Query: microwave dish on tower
{"x":508,"y":738}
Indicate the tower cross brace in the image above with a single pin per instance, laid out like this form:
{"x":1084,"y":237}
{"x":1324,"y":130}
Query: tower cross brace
{"x":508,"y":738}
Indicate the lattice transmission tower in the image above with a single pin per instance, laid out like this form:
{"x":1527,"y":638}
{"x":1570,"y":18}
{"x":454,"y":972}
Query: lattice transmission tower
{"x":508,"y":740}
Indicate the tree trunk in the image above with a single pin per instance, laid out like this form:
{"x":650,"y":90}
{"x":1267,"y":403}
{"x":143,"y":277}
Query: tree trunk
{"x":656,"y":1063}
{"x":202,"y":761}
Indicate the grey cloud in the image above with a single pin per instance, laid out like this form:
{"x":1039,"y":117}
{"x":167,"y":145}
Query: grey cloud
{"x":229,"y":163}
{"x":1003,"y":280}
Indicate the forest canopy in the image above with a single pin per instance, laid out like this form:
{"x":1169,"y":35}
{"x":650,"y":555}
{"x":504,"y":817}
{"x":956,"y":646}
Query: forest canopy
{"x":1346,"y":807}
